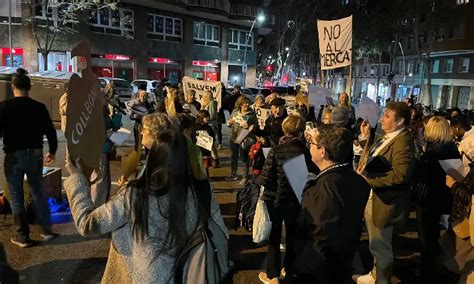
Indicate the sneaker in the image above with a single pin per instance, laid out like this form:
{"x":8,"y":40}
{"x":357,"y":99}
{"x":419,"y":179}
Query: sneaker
{"x":282,"y":273}
{"x":215,"y":163}
{"x":21,"y":242}
{"x":262,"y":276}
{"x":219,"y":147}
{"x":364,"y":279}
{"x":244,"y":181}
{"x":232,"y":178}
{"x":48,"y":236}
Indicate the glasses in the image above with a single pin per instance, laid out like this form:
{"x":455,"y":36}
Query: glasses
{"x":310,"y":142}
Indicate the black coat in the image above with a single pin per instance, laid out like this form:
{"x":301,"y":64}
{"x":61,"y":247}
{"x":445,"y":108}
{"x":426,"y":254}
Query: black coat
{"x":430,"y":173}
{"x":273,"y":178}
{"x":272,"y":131}
{"x":329,"y":225}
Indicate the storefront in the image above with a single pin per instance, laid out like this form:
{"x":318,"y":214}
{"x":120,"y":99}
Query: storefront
{"x":5,"y":56}
{"x":206,"y":70}
{"x":159,"y":68}
{"x":57,"y":61}
{"x":113,"y":65}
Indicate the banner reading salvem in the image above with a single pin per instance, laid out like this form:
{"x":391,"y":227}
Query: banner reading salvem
{"x":200,"y":86}
{"x":335,"y":43}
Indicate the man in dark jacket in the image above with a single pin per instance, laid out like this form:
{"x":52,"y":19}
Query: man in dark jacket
{"x":229,"y":102}
{"x":329,"y":224}
{"x":272,"y":132}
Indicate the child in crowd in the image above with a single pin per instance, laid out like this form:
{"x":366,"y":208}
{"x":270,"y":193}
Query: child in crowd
{"x":202,"y":127}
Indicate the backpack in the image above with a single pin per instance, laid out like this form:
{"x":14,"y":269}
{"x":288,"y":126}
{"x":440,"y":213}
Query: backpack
{"x":246,"y":204}
{"x":205,"y":259}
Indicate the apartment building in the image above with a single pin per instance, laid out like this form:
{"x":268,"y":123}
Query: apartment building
{"x":144,"y":39}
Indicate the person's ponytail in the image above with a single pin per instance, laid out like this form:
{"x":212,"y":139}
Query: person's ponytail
{"x":21,"y":81}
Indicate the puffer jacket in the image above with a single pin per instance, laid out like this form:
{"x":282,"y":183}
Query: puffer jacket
{"x":277,"y":188}
{"x":272,"y":131}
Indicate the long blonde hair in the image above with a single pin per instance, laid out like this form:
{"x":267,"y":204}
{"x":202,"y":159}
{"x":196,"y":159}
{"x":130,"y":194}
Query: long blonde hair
{"x":206,"y":98}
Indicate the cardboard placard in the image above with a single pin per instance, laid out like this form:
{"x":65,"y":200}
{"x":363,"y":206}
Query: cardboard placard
{"x":85,"y":127}
{"x":262,"y":115}
{"x":130,"y":163}
{"x":203,"y":140}
{"x":199,"y":86}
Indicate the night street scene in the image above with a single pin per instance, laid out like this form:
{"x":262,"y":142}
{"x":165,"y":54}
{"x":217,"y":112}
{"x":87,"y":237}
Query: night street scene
{"x":237,"y":141}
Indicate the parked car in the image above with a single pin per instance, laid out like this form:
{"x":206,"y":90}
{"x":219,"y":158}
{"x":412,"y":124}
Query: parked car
{"x":122,"y":87}
{"x":148,"y":83}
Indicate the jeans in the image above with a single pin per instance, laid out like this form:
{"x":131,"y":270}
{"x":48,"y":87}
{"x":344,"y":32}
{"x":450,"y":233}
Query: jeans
{"x":234,"y":159}
{"x":277,"y":216}
{"x":380,"y":246}
{"x":17,"y":164}
{"x":219,"y":133}
{"x":100,"y":190}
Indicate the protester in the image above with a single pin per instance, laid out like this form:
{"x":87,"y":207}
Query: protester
{"x":326,"y":117}
{"x":210,"y":105}
{"x":242,"y":118}
{"x":463,"y":256}
{"x":153,"y":217}
{"x":191,"y":102}
{"x":202,"y":127}
{"x":271,"y":97}
{"x":340,"y":116}
{"x":332,"y":207}
{"x":23,"y":146}
{"x":230,"y":101}
{"x":432,"y":196}
{"x":259,"y":102}
{"x":455,"y":112}
{"x":463,"y":132}
{"x":170,"y":105}
{"x":141,"y":108}
{"x":344,"y":102}
{"x":416,"y":129}
{"x":304,"y":108}
{"x":280,"y":199}
{"x":272,"y":132}
{"x":392,"y":160}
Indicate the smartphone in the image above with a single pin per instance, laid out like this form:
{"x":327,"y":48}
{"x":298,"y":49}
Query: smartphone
{"x":309,"y":126}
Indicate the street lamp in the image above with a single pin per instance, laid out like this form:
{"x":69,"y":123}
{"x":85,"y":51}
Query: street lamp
{"x":260,"y":18}
{"x":404,"y":63}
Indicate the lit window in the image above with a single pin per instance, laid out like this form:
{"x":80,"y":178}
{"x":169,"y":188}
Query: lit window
{"x":448,"y":65}
{"x":435,"y":68}
{"x":240,"y":39}
{"x":165,"y":28}
{"x":115,"y":22}
{"x":461,"y":2}
{"x":206,"y":34}
{"x":464,"y":65}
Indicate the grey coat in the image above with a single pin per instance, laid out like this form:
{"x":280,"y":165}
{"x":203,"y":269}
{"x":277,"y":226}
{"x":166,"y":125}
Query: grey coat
{"x":130,"y":260}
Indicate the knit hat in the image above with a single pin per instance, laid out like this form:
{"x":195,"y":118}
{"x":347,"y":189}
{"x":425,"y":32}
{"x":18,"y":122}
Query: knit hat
{"x":339,"y":115}
{"x":278,"y":102}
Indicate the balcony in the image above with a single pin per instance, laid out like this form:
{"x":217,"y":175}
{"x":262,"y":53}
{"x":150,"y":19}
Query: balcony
{"x":240,"y":11}
{"x":220,"y":5}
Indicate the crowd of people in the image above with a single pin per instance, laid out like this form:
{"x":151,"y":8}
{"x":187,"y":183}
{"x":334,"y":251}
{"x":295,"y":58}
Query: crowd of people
{"x":153,"y":216}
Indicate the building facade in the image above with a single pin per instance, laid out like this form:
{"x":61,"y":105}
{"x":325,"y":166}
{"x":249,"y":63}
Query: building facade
{"x":143,"y":39}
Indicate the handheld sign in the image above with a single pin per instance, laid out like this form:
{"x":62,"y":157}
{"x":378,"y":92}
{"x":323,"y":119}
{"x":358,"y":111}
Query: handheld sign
{"x":335,"y":43}
{"x":85,"y":128}
{"x":199,"y":86}
{"x":205,"y":141}
{"x":262,"y":115}
{"x":296,"y":172}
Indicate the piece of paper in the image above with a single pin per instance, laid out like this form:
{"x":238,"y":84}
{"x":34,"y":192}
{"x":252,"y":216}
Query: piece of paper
{"x":368,"y":110}
{"x":239,"y":120}
{"x":130,"y":163}
{"x":205,"y":141}
{"x":242,"y":135}
{"x":129,"y":104}
{"x":266,"y":151}
{"x":120,"y":136}
{"x":296,"y":172}
{"x":455,"y":168}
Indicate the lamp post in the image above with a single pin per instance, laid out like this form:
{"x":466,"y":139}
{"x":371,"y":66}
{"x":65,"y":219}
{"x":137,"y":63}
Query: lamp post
{"x":260,"y":18}
{"x":10,"y":31}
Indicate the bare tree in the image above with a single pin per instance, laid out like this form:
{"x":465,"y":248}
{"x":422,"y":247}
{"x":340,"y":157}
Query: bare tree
{"x":60,"y":18}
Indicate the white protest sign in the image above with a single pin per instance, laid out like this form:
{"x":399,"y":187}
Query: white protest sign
{"x":238,"y":119}
{"x":266,"y":151}
{"x":455,"y":168}
{"x":242,"y":135}
{"x":368,"y":110}
{"x":296,"y":172}
{"x":199,"y":86}
{"x":262,"y":115}
{"x":335,"y":43}
{"x":204,"y":140}
{"x":120,"y":136}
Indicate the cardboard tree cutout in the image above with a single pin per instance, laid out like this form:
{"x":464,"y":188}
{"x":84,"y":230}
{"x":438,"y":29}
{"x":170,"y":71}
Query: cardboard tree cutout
{"x":85,"y":128}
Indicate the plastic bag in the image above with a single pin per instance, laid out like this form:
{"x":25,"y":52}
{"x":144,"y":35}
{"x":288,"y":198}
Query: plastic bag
{"x":262,"y":225}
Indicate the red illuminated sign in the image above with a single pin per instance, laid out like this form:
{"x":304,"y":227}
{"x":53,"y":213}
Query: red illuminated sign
{"x":203,"y":63}
{"x":159,"y":60}
{"x":117,"y":57}
{"x":16,"y":51}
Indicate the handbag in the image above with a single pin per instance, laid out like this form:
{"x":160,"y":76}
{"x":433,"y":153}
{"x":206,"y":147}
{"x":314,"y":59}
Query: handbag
{"x":262,"y":225}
